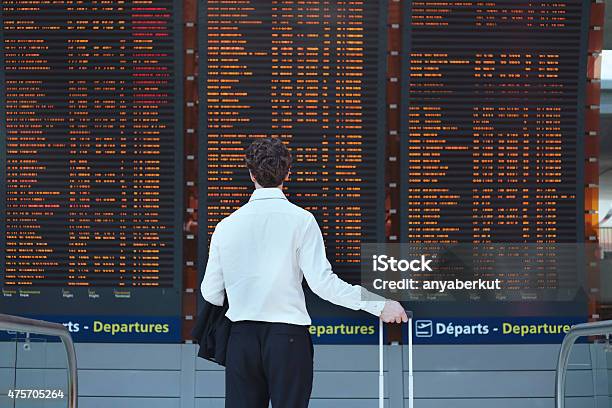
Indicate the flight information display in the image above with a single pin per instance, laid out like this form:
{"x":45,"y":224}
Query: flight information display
{"x":91,"y":165}
{"x":492,"y":125}
{"x":311,"y":73}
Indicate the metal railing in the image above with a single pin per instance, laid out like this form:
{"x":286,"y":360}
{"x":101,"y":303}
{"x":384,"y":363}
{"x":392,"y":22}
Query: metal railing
{"x":23,"y":325}
{"x":577,"y":331}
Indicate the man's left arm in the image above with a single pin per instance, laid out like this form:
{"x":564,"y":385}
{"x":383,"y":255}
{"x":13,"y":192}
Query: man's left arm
{"x":213,"y":287}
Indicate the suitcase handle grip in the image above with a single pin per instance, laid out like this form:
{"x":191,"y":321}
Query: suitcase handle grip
{"x":381,"y":376}
{"x":410,"y":369}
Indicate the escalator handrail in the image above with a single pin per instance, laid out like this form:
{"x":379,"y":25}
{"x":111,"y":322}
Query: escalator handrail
{"x":23,"y":325}
{"x":576,"y":331}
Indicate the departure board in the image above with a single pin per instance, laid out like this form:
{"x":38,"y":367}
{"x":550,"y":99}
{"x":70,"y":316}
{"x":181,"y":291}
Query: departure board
{"x":311,"y":73}
{"x":492,"y":121}
{"x":91,"y":162}
{"x":492,"y":129}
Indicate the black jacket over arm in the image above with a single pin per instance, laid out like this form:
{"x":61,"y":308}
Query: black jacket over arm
{"x":211,"y":331}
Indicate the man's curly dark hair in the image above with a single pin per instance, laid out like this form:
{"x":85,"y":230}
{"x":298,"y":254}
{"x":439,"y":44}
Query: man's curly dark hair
{"x":269,"y":161}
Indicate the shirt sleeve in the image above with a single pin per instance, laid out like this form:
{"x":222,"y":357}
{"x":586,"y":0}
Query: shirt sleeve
{"x":213,"y":287}
{"x":325,"y":283}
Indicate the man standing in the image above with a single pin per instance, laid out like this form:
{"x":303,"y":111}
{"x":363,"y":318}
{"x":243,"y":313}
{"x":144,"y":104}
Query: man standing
{"x":259,"y":256}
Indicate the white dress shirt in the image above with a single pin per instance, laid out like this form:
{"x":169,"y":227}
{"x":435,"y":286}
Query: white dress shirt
{"x":259,"y":256}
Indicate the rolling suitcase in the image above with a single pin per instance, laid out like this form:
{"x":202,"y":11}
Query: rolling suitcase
{"x":381,"y":374}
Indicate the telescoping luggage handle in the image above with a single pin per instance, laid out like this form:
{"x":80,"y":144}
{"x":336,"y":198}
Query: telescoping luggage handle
{"x":381,"y":374}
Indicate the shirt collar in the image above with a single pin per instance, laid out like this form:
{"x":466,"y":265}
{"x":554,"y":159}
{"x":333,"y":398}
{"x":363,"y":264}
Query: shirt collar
{"x":267,"y":194}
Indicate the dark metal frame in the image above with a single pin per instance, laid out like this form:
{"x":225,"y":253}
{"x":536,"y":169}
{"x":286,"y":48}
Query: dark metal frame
{"x":23,"y":325}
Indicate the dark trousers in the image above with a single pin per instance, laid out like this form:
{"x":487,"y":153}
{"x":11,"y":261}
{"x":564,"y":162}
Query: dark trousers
{"x":268,"y":361}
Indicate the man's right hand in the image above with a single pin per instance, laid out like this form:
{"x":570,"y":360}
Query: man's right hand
{"x":393,"y":312}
